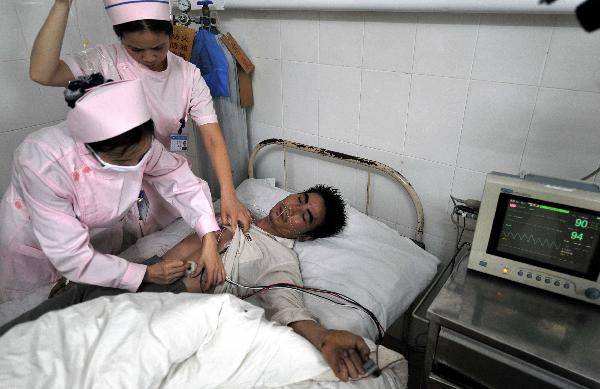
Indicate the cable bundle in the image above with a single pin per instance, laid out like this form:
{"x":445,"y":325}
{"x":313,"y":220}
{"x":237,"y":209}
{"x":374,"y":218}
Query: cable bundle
{"x":350,"y":303}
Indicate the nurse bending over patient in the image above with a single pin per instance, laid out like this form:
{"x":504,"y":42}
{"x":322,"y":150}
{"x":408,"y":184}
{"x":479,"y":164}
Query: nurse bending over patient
{"x":175,"y":90}
{"x":79,"y":178}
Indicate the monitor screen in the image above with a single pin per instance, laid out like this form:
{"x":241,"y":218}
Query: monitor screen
{"x":548,"y":235}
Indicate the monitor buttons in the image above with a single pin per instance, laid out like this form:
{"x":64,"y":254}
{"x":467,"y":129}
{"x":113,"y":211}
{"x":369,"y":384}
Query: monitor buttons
{"x":551,"y":281}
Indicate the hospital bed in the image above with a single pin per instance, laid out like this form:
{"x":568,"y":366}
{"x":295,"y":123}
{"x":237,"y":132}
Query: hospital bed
{"x":166,"y":340}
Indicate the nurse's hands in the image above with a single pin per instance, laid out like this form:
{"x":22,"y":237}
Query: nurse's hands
{"x":208,"y":260}
{"x":165,"y":272}
{"x":233,"y":211}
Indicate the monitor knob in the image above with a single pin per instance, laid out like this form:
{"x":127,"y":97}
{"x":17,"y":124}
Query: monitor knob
{"x":592,"y":293}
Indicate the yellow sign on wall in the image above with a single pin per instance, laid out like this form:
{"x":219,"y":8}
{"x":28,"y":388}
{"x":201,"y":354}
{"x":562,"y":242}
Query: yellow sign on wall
{"x":182,"y":42}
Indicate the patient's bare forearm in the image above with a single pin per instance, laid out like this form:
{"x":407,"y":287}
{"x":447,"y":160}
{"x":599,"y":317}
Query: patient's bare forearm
{"x":311,"y":330}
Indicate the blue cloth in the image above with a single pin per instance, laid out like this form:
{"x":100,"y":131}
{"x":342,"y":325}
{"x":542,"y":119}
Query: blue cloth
{"x":208,"y":56}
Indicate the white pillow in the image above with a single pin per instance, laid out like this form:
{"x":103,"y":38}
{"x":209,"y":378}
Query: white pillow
{"x":368,"y":262}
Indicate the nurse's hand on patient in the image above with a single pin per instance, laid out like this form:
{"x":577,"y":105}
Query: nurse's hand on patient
{"x":165,"y":272}
{"x":208,"y":260}
{"x":233,"y":211}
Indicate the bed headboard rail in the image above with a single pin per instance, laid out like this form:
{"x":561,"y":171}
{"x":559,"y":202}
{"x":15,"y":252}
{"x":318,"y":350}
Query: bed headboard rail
{"x":367,"y":164}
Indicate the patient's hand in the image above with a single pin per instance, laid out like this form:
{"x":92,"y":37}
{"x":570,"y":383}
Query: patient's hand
{"x":345,"y":353}
{"x":233,"y":211}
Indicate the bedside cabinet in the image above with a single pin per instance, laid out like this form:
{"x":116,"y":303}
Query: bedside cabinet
{"x":487,"y":332}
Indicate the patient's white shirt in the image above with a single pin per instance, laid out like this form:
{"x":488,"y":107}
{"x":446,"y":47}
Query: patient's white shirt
{"x":259,"y":258}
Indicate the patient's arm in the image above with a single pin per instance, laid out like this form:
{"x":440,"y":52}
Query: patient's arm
{"x":184,"y":248}
{"x":188,"y":250}
{"x":193,"y":243}
{"x":343,"y":351}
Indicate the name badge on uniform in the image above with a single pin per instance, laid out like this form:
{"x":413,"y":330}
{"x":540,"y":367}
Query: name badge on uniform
{"x":179,"y":142}
{"x":143,"y":205}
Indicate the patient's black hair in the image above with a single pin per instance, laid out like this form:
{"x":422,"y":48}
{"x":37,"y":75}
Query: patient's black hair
{"x":152,"y":25}
{"x":121,"y":143}
{"x":335,"y":212}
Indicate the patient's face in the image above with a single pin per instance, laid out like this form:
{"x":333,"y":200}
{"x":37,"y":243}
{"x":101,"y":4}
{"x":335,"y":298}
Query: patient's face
{"x":297,"y":214}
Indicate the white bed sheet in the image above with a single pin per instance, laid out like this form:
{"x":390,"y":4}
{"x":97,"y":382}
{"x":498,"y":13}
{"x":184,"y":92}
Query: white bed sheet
{"x":152,"y":340}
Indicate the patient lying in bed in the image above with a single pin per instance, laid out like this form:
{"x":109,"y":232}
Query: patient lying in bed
{"x":263,"y":256}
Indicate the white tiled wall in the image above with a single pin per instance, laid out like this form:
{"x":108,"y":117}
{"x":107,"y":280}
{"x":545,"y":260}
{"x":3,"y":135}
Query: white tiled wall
{"x":24,"y":105}
{"x":442,"y":98}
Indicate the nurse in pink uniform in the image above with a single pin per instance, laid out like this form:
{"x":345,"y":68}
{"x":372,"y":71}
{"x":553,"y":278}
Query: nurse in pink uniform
{"x":174,"y":88}
{"x":81,"y":177}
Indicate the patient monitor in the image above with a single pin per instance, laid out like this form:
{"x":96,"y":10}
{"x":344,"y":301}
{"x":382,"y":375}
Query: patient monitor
{"x":540,"y":231}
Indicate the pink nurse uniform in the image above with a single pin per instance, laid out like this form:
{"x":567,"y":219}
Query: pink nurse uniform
{"x":60,"y":197}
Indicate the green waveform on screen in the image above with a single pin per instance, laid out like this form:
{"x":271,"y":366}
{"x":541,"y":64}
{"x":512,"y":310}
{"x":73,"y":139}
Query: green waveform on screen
{"x":553,"y":209}
{"x":530,"y":238}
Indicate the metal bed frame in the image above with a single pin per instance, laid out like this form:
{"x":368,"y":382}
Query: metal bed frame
{"x":367,"y":164}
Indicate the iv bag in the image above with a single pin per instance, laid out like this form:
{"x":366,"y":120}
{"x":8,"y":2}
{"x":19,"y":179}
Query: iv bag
{"x":93,"y":60}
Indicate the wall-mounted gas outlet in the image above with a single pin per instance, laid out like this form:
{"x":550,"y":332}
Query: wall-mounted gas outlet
{"x":217,"y":5}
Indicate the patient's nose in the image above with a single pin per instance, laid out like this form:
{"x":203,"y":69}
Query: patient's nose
{"x":294,"y":208}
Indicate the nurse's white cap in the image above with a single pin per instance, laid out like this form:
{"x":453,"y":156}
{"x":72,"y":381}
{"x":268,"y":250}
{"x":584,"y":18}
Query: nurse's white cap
{"x":108,"y":110}
{"x":123,"y":11}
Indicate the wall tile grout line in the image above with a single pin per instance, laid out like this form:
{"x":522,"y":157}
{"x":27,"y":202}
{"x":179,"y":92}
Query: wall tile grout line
{"x":462,"y":125}
{"x":537,"y":94}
